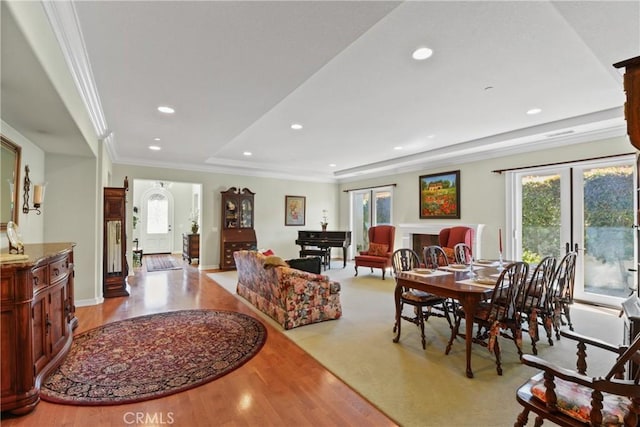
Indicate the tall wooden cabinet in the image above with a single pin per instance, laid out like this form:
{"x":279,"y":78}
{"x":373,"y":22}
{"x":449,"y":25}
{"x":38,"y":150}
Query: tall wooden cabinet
{"x":115,"y":268}
{"x":237,"y":218}
{"x":190,"y":246}
{"x":37,"y":320}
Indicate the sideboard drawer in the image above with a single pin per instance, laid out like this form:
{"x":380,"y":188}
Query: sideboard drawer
{"x":59,"y":269}
{"x":40,"y":278}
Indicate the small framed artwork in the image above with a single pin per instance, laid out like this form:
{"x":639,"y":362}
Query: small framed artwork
{"x":440,"y":195}
{"x":294,"y":210}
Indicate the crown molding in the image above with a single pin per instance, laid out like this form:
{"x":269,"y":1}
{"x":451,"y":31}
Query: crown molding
{"x":64,"y":21}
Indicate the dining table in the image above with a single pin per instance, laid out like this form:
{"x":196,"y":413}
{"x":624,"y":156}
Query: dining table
{"x":463,"y":284}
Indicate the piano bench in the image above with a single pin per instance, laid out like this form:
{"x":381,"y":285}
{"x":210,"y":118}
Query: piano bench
{"x":323,"y":253}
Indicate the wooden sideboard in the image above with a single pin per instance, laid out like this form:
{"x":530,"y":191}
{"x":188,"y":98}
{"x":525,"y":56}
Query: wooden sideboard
{"x":190,"y":246}
{"x":37,"y":321}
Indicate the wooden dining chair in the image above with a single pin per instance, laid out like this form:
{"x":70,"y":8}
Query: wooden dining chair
{"x":462,"y":253}
{"x":499,"y":316}
{"x":434,"y":257}
{"x":534,"y":298}
{"x":572,"y":398}
{"x":562,"y":291}
{"x":425,"y":304}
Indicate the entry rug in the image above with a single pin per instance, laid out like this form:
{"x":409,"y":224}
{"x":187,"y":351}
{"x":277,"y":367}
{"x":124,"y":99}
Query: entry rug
{"x":153,"y":356}
{"x":161,"y":262}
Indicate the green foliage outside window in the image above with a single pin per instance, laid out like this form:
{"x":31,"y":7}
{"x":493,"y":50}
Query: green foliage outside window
{"x":608,"y":207}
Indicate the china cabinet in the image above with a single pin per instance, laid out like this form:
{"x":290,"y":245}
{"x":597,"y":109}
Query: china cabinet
{"x":237,"y":218}
{"x":115,"y":268}
{"x":37,"y":321}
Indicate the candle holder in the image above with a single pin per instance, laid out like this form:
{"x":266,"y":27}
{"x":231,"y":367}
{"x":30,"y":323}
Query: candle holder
{"x":500,"y":262}
{"x":472,"y":273}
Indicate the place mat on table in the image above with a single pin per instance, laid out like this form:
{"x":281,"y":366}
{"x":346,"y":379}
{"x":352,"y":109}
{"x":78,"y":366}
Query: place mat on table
{"x":486,"y":262}
{"x":426,"y":272}
{"x":481,"y":281}
{"x":458,"y":267}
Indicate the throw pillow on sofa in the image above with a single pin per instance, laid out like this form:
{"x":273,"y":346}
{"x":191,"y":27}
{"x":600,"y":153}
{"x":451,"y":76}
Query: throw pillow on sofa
{"x":274,"y":261}
{"x":378,"y":249}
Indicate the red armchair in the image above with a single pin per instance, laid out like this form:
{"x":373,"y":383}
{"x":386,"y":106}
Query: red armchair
{"x":380,"y":251}
{"x":449,"y":237}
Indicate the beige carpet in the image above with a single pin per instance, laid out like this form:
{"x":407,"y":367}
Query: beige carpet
{"x":419,"y":387}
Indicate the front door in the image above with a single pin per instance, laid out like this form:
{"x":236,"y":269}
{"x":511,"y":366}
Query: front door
{"x":156,"y":221}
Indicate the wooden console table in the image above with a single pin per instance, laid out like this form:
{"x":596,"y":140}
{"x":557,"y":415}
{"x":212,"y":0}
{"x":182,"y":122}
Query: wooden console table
{"x":38,"y":318}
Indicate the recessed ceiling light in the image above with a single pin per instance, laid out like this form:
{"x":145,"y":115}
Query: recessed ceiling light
{"x":422,"y":53}
{"x":246,"y":153}
{"x":166,"y":109}
{"x":332,"y":165}
{"x":154,"y":148}
{"x":397,"y":147}
{"x":431,"y":136}
{"x":296,"y":126}
{"x":533,"y":111}
{"x":156,"y":139}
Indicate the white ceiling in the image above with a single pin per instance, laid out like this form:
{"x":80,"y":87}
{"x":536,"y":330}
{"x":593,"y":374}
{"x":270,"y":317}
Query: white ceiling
{"x":240,"y":73}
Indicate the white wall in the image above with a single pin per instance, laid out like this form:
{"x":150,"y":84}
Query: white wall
{"x":31,"y":225}
{"x":71,"y":206}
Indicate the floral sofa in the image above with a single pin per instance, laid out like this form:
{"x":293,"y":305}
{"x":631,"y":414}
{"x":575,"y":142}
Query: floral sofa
{"x":291,"y":297}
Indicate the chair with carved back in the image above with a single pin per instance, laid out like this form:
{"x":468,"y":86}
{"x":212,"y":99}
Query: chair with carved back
{"x":534,"y":297}
{"x":569,"y":397}
{"x":559,"y":296}
{"x":380,"y":251}
{"x":434,"y":257}
{"x":425,"y":304}
{"x":449,"y":237}
{"x":499,"y":316}
{"x":463,"y":254}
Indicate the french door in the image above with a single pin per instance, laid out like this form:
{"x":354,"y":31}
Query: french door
{"x":588,"y":206}
{"x":369,"y":207}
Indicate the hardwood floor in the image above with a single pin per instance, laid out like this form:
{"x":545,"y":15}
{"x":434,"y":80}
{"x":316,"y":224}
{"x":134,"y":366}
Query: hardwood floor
{"x":281,"y":386}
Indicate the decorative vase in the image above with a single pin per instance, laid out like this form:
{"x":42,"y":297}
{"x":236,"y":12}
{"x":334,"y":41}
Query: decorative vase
{"x":324,"y":227}
{"x":194,"y":228}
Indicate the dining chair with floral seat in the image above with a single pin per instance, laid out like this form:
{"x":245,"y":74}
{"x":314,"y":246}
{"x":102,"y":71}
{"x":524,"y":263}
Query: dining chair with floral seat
{"x":425,"y":304}
{"x":499,"y":314}
{"x":532,"y":303}
{"x":569,"y":397}
{"x":380,"y":250}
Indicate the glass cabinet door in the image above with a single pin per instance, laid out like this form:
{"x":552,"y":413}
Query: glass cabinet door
{"x":114,"y":248}
{"x":246,"y":220}
{"x":230,"y":214}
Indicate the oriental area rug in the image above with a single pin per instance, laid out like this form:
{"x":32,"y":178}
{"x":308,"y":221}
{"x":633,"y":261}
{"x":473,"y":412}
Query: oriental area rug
{"x":161,"y":262}
{"x":152,"y":356}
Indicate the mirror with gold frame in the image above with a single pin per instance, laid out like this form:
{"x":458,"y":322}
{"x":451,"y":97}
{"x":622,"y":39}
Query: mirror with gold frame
{"x":9,"y":172}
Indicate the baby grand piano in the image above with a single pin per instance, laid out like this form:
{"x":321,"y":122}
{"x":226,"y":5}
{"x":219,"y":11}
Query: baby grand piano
{"x":319,"y":243}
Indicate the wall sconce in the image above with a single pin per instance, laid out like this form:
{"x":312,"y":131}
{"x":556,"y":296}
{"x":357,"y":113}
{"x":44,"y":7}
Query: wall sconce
{"x":38,"y":194}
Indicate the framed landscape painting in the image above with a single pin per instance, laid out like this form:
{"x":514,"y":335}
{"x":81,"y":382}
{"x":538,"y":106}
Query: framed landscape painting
{"x":294,"y":210}
{"x":440,"y":195}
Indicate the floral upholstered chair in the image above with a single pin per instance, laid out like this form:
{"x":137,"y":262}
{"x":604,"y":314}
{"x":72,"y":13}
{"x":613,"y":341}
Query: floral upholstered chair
{"x":380,"y":251}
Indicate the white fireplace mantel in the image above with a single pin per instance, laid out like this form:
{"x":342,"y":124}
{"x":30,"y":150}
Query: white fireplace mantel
{"x":408,"y":230}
